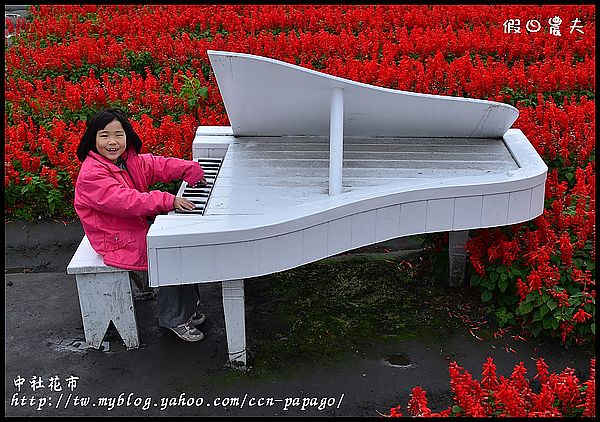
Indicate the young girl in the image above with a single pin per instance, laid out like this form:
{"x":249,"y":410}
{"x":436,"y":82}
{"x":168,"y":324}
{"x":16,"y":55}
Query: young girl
{"x":113,"y":203}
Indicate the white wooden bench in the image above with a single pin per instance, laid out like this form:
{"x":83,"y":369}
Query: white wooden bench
{"x":105,"y":295}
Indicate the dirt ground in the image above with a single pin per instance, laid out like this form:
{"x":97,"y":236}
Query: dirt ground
{"x":168,"y":377}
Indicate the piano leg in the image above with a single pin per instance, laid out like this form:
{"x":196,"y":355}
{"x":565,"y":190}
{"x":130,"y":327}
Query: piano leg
{"x":458,"y":256}
{"x":235,"y":320}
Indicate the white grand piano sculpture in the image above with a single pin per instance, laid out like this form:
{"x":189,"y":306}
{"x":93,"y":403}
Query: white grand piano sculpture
{"x":314,"y":165}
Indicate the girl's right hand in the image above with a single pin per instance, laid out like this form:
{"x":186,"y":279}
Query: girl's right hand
{"x":183,"y":204}
{"x":201,"y":183}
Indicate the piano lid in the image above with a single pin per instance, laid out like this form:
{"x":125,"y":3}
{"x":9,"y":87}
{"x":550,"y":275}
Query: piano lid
{"x":267,"y":97}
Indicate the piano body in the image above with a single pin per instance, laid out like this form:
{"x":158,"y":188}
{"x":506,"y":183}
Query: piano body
{"x":314,"y":165}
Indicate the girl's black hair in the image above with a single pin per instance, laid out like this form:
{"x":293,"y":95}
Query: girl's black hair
{"x":98,"y":122}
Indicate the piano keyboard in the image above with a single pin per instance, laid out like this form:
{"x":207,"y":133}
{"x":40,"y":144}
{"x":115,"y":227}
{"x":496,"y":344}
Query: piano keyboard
{"x":200,"y":195}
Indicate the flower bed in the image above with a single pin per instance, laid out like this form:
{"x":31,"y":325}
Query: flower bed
{"x":559,"y":394}
{"x":69,"y":61}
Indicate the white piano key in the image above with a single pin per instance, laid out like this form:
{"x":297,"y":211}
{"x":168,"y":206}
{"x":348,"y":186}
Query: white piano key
{"x":440,"y":215}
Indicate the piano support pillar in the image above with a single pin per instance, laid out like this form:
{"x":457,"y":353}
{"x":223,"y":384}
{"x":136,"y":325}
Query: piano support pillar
{"x":336,"y":141}
{"x":457,"y":256}
{"x":235,"y":320}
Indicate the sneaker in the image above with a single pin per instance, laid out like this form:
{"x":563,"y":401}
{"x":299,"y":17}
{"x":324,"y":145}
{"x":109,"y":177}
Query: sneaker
{"x":187,"y":332}
{"x":197,"y":318}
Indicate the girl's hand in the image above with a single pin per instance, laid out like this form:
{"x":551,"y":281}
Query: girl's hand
{"x":183,"y":204}
{"x":201,"y":183}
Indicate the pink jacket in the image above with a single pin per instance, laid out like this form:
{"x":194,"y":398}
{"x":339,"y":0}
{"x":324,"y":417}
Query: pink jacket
{"x":113,"y":206}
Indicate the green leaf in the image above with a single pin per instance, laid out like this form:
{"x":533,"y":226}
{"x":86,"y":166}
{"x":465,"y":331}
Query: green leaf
{"x":456,"y":409}
{"x":548,"y":321}
{"x":544,"y":310}
{"x":493,"y":276}
{"x":537,"y":315}
{"x":486,"y":295}
{"x":488,"y":284}
{"x":551,"y":304}
{"x":531,"y":296}
{"x":525,"y":308}
{"x":535,"y":330}
{"x":475,"y":280}
{"x":503,"y":284}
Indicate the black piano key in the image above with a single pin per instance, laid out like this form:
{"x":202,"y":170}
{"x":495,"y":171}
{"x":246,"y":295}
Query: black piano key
{"x":195,"y":195}
{"x":196,"y":192}
{"x":199,"y":194}
{"x":198,"y":212}
{"x":199,"y":208}
{"x":198,"y":189}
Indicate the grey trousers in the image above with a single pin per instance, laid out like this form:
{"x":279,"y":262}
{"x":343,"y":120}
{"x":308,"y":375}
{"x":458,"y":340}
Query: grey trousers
{"x":176,"y":304}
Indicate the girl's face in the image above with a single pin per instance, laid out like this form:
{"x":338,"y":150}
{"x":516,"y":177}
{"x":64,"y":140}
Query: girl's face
{"x":111,"y":141}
